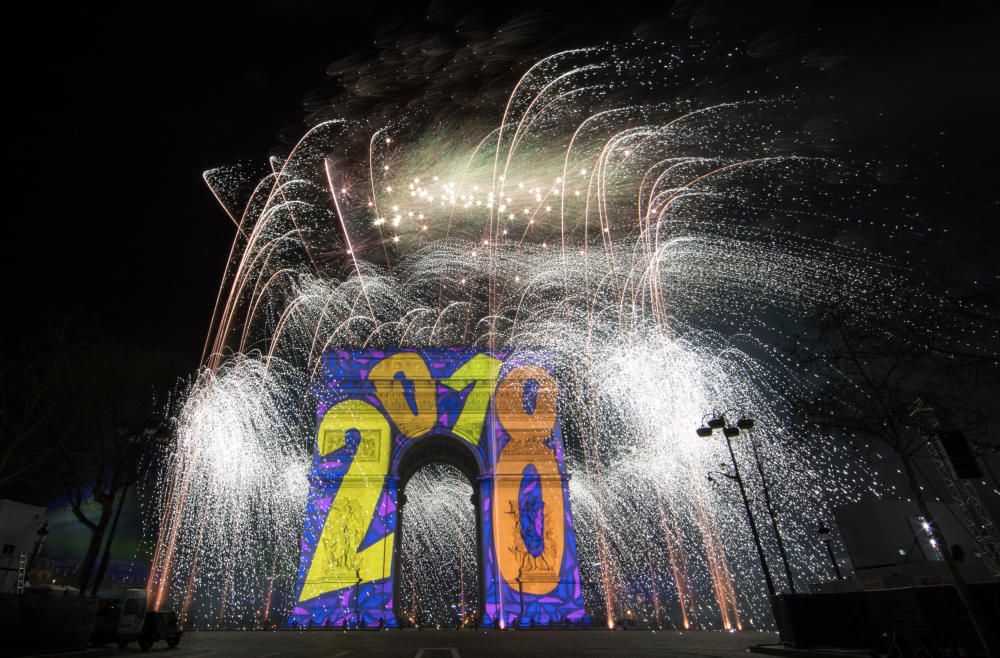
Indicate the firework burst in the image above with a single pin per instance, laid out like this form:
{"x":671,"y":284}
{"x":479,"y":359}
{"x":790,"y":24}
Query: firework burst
{"x":651,"y":240}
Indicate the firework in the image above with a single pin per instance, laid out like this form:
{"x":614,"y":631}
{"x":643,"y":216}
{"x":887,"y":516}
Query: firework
{"x":647,"y":239}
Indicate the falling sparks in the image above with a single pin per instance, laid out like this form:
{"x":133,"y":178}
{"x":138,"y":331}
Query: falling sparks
{"x":651,"y":247}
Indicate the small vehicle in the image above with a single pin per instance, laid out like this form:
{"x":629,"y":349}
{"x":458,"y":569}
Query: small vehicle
{"x":122,"y":618}
{"x":160,"y":626}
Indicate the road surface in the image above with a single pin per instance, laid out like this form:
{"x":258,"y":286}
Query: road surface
{"x":454,"y":644}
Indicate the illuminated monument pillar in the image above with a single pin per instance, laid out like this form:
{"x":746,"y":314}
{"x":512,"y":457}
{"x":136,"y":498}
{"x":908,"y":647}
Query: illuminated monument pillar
{"x":381,"y":415}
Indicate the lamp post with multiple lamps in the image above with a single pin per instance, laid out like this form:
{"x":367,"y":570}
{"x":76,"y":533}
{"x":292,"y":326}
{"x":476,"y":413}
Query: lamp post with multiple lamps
{"x":718,"y":421}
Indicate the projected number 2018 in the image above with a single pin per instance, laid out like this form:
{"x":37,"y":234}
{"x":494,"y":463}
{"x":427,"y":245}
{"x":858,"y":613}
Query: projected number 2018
{"x":500,"y":413}
{"x":404,"y":377}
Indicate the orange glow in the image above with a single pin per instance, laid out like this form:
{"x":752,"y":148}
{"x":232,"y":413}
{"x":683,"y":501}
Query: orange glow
{"x":528,"y":433}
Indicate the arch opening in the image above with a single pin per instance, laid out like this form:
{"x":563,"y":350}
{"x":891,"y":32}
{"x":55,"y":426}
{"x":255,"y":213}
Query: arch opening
{"x":436,"y":450}
{"x":438,"y":573}
{"x":439,"y":560}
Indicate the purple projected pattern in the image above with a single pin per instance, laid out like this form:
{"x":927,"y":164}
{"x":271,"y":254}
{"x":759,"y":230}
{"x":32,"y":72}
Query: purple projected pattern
{"x":373,"y":409}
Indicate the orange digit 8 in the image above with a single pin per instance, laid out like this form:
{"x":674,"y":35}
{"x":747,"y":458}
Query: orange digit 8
{"x":528,"y":432}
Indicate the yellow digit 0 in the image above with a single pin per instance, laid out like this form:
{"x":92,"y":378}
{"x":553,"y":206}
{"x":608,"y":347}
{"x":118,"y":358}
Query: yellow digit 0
{"x":392,"y":393}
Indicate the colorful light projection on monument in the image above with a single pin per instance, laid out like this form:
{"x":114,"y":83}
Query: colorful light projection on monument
{"x":500,"y":407}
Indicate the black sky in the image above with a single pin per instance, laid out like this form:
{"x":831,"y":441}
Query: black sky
{"x":113,"y":111}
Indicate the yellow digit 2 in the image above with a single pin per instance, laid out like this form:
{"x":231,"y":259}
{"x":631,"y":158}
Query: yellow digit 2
{"x":337,"y":562}
{"x":391,"y":376}
{"x":528,"y":431}
{"x":480,"y":372}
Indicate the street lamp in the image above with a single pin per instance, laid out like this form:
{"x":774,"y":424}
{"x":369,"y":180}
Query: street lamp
{"x":357,"y":599}
{"x":824,"y":536}
{"x":746,"y":424}
{"x":718,"y":421}
{"x":520,"y":593}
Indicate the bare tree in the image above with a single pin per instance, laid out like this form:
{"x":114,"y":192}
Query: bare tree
{"x":882,"y":370}
{"x":111,"y":418}
{"x":26,"y":402}
{"x":100,"y":476}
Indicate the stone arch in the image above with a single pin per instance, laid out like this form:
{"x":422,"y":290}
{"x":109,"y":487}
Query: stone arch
{"x":381,"y":415}
{"x":435,"y":450}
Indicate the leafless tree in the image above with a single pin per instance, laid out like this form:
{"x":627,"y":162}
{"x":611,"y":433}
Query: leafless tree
{"x":112,"y":424}
{"x":882,"y":370}
{"x":27,"y":377}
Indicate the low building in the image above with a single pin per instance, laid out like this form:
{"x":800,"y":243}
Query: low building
{"x":890,"y":544}
{"x":19,"y":526}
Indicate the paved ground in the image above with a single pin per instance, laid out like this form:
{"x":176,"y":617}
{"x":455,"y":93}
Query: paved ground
{"x":455,"y":644}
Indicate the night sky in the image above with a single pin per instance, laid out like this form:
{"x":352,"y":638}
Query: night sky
{"x":113,"y":112}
